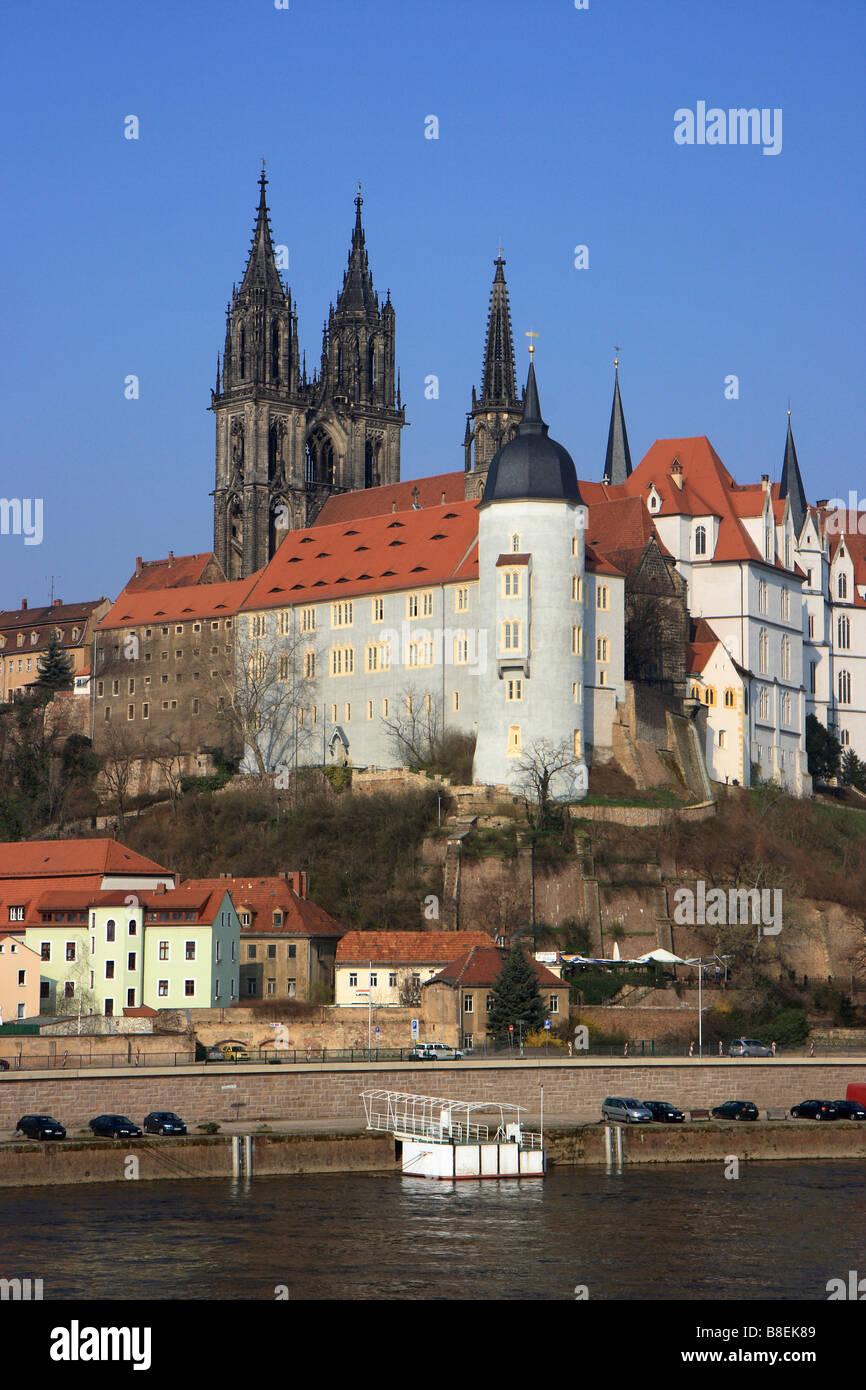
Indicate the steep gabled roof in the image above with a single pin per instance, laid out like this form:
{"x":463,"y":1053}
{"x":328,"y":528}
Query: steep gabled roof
{"x":176,"y":571}
{"x":375,"y":554}
{"x":261,"y":897}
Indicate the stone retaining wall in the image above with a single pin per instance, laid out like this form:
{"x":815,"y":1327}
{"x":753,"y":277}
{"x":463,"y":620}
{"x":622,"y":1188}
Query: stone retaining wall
{"x":573,"y":1088}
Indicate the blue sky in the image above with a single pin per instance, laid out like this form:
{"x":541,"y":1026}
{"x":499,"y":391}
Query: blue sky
{"x":555,"y":130}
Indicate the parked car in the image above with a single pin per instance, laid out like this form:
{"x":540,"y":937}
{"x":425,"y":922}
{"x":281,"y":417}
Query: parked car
{"x":4,"y":1065}
{"x":749,"y":1047}
{"x":236,"y":1052}
{"x":849,"y":1109}
{"x":435,"y":1052}
{"x":625,"y":1110}
{"x":735,"y":1110}
{"x":115,"y":1127}
{"x":814,"y":1110}
{"x":663,"y":1112}
{"x":163,"y":1122}
{"x":40,"y":1127}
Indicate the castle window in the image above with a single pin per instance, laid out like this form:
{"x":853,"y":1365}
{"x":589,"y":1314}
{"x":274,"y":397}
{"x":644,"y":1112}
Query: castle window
{"x":511,"y":583}
{"x":844,"y":632}
{"x":242,"y":352}
{"x":258,"y":624}
{"x":763,"y":651}
{"x":701,"y":540}
{"x":577,"y":641}
{"x":602,"y":596}
{"x":786,"y":658}
{"x":342,"y":662}
{"x":510,"y":636}
{"x":461,"y":600}
{"x":601,"y":649}
{"x":369,"y":709}
{"x":461,"y":651}
{"x":513,"y":748}
{"x":342,"y":614}
{"x":730,"y":698}
{"x":577,"y":743}
{"x":412,"y":605}
{"x":762,"y":596}
{"x":844,"y":687}
{"x":842,"y":586}
{"x":427,"y":603}
{"x":577,"y":588}
{"x":515,"y":544}
{"x":309,"y":666}
{"x":514,"y":689}
{"x":308,"y":620}
{"x":455,"y":701}
{"x":275,"y":351}
{"x":378,"y":610}
{"x":786,"y":604}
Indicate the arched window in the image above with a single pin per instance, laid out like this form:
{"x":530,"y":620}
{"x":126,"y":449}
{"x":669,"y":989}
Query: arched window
{"x":844,"y":632}
{"x":730,"y":698}
{"x":319,"y":463}
{"x":842,"y":586}
{"x":242,"y":352}
{"x":763,"y":651}
{"x":275,"y":351}
{"x":372,"y":364}
{"x":844,"y":687}
{"x":370,"y":465}
{"x":786,"y":658}
{"x":515,"y":544}
{"x":701,"y":540}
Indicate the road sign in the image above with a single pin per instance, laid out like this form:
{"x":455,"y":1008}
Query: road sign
{"x":414,"y":1027}
{"x":378,"y":1031}
{"x":547,"y":1023}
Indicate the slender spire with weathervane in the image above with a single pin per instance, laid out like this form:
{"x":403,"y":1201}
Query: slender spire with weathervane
{"x":495,"y":412}
{"x":617,"y":460}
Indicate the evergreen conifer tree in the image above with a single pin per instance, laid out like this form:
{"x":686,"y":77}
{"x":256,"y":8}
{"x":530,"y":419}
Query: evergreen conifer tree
{"x":54,"y":666}
{"x":516,"y":998}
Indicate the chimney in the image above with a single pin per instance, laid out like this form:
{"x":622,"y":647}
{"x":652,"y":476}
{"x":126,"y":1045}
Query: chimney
{"x":393,"y":506}
{"x":677,"y":473}
{"x":138,"y":564}
{"x":24,"y":605}
{"x":443,"y":499}
{"x":765,"y":481}
{"x":171,"y":557}
{"x":416,"y":505}
{"x":823,"y":502}
{"x":58,"y":603}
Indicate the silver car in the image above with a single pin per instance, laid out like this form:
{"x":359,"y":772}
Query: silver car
{"x":749,"y":1047}
{"x":626,"y":1110}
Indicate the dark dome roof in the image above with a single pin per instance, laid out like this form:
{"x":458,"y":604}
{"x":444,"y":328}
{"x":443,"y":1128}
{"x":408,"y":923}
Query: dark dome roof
{"x":531,"y":465}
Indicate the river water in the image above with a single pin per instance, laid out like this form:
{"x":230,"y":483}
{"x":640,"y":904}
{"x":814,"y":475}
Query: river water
{"x":673,"y":1231}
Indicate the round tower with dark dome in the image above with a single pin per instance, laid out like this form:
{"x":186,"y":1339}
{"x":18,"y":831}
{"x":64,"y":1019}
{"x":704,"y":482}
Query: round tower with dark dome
{"x":531,"y":578}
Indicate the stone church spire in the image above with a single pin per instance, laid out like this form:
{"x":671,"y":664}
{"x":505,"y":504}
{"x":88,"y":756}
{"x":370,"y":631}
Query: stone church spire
{"x":496,"y":412}
{"x":792,"y":483}
{"x":617,"y":460}
{"x":261,"y":271}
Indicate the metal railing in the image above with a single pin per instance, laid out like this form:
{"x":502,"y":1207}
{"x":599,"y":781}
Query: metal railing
{"x":637,"y":1049}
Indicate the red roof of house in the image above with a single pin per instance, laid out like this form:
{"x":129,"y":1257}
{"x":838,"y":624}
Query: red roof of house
{"x":174,"y":572}
{"x":71,"y":860}
{"x":204,"y":904}
{"x":262,"y":896}
{"x":400,"y":550}
{"x":405,"y":947}
{"x":176,"y":604}
{"x":481,"y":966}
{"x":43,"y":621}
{"x":375,"y":501}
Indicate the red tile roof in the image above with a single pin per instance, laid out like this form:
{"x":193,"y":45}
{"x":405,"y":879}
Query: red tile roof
{"x":481,"y":966}
{"x":176,"y":604}
{"x":174,"y":572}
{"x":261,"y":897}
{"x":375,"y":501}
{"x":405,"y":947}
{"x":403,"y":550}
{"x":38,"y":860}
{"x":44,"y":620}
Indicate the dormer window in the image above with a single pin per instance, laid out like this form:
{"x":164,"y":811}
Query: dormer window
{"x":34,"y":638}
{"x":842,"y":586}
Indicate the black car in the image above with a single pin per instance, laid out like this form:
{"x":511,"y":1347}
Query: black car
{"x":814,"y":1110}
{"x":663,"y":1112}
{"x":849,"y":1109}
{"x":39,"y":1127}
{"x":115,"y":1127}
{"x":163,"y":1122}
{"x":735,"y":1110}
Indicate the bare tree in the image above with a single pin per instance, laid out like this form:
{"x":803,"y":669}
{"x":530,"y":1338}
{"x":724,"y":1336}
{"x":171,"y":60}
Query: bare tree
{"x":169,"y":758}
{"x":548,"y":770}
{"x":267,"y":692}
{"x":121,"y":755}
{"x":415,"y":728}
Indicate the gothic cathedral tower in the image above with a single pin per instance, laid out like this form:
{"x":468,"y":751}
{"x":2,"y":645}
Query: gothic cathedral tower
{"x":496,"y":413}
{"x":285,"y":444}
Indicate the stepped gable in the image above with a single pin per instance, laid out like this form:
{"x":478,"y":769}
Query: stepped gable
{"x":174,"y":572}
